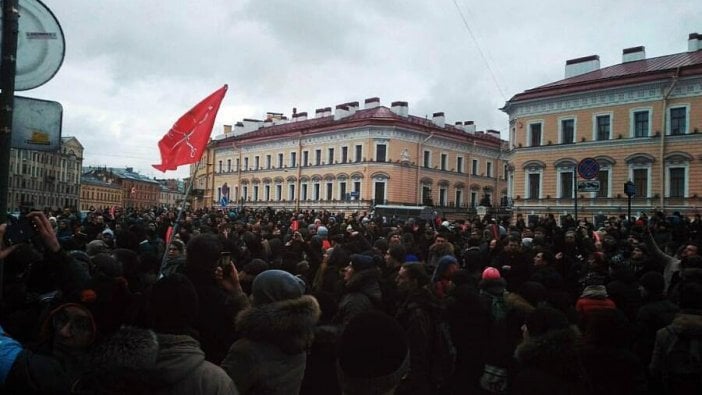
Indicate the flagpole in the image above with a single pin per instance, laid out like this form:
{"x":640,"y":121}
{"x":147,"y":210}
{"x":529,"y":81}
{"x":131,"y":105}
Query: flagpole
{"x":188,"y":189}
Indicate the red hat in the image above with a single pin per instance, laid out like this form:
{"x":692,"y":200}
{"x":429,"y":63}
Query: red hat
{"x":490,"y":273}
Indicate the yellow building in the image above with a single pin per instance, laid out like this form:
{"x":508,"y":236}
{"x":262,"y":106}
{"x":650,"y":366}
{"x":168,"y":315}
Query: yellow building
{"x":99,"y":194}
{"x":353,"y":159}
{"x":640,"y":120}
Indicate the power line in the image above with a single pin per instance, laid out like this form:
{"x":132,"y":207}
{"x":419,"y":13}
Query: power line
{"x":480,"y":51}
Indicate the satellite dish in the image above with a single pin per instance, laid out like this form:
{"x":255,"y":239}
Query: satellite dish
{"x":40,"y":45}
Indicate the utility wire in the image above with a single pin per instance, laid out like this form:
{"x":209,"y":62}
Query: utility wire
{"x":480,"y":51}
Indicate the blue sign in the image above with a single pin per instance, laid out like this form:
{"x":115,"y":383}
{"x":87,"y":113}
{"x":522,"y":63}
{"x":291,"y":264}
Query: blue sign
{"x":588,"y":168}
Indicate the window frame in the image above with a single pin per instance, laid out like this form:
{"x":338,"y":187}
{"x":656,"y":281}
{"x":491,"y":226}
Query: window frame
{"x":596,"y":125}
{"x":632,"y":121}
{"x":529,"y":135}
{"x":563,"y":119}
{"x":669,"y":119}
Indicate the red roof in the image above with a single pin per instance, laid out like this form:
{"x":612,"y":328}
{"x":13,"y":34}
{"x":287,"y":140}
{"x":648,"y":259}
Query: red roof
{"x":690,"y":63}
{"x":379,"y":115}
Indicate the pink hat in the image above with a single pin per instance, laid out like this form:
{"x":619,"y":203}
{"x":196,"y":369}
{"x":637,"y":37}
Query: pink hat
{"x":490,"y":273}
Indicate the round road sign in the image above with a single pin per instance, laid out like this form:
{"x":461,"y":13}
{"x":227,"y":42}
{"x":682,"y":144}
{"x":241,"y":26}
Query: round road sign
{"x":588,"y":168}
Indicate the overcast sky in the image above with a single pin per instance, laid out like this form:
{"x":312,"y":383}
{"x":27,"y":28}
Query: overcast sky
{"x":133,"y":67}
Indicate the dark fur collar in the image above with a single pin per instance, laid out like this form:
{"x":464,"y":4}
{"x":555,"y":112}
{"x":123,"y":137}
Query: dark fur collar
{"x":289,"y":324}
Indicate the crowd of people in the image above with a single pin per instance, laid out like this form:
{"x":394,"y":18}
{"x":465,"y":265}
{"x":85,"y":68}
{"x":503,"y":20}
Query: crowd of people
{"x":313,"y":302}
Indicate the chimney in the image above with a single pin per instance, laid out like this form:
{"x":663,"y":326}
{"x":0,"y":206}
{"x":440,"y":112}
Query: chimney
{"x":469,"y":127}
{"x":342,"y":110}
{"x":300,"y":116}
{"x":371,"y":102}
{"x":582,"y":65}
{"x":251,"y":125}
{"x":227,"y":130}
{"x":353,"y":107}
{"x":319,"y":113}
{"x":493,"y":133}
{"x":327,"y":111}
{"x":282,"y":121}
{"x":399,"y":108}
{"x":439,"y":119}
{"x":633,"y":54}
{"x":694,"y":42}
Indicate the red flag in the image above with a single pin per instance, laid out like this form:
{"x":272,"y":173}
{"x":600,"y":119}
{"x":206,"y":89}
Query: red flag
{"x":186,"y":141}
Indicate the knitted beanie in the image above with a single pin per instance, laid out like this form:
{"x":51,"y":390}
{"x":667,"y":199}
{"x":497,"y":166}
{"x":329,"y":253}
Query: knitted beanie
{"x":490,"y":273}
{"x":276,"y":285}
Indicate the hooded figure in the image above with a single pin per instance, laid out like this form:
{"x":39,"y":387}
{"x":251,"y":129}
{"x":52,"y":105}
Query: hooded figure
{"x":362,"y":290}
{"x":276,"y":331}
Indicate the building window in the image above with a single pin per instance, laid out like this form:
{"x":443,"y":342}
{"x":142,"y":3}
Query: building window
{"x":357,"y":189}
{"x":344,"y":154}
{"x":565,"y":183}
{"x":640,"y":123}
{"x":475,"y":167}
{"x":443,"y":196}
{"x":534,"y":134}
{"x":488,"y":169}
{"x":676,"y":183}
{"x":678,"y":121}
{"x":303,"y":192}
{"x":381,"y":153}
{"x":533,"y":185}
{"x":229,"y":165}
{"x":567,"y":132}
{"x":342,"y":190}
{"x":330,"y":190}
{"x":293,"y":159}
{"x":305,"y":158}
{"x":246,"y":192}
{"x":358,"y":153}
{"x":603,"y":127}
{"x":220,"y":166}
{"x":459,"y":198}
{"x":246,"y":164}
{"x":330,"y":156}
{"x":640,"y":178}
{"x":473,"y":198}
{"x":444,"y":159}
{"x":278,"y":192}
{"x":603,"y":178}
{"x":291,"y":192}
{"x":427,"y":159}
{"x":280,"y":161}
{"x":255,"y":193}
{"x":268,"y":162}
{"x":316,"y":194}
{"x":459,"y":164}
{"x":317,"y":157}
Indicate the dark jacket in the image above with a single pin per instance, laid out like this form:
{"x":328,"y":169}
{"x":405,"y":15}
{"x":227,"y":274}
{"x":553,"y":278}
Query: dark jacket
{"x":687,"y":325}
{"x":548,"y":364}
{"x":362,"y":293}
{"x":417,"y":314}
{"x":270,"y":356}
{"x":652,"y":316}
{"x":139,"y":361}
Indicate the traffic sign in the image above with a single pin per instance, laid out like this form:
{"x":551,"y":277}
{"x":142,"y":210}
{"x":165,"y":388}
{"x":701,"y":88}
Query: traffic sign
{"x":588,"y":186}
{"x":588,"y":168}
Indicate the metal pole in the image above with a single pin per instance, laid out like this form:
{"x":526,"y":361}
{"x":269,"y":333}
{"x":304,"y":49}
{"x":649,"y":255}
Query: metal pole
{"x":575,"y":194}
{"x":8,"y":70}
{"x":188,"y":189}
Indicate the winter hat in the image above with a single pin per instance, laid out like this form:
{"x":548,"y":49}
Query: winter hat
{"x":490,"y":273}
{"x":109,"y":232}
{"x":96,"y":247}
{"x":653,"y":282}
{"x":364,"y":335}
{"x":255,"y":267}
{"x":411,"y":258}
{"x":546,"y":319}
{"x":361,"y":262}
{"x":442,"y":267}
{"x":173,"y":304}
{"x":322,"y":231}
{"x":276,"y":285}
{"x":107,"y":266}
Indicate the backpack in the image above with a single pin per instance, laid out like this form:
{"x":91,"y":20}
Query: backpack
{"x":683,"y":368}
{"x":443,"y":354}
{"x":496,"y":306}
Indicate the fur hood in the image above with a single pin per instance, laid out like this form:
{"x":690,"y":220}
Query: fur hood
{"x":516,"y":301}
{"x":366,"y":282}
{"x":288,"y":324}
{"x":688,"y":323}
{"x":554,"y":352}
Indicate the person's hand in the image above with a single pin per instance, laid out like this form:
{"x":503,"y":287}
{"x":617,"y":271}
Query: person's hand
{"x":4,"y":252}
{"x":559,"y":256}
{"x":45,"y":230}
{"x":228,"y":279}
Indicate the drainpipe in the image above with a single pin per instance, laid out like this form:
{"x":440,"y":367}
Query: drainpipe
{"x":669,"y":90}
{"x":419,"y":166}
